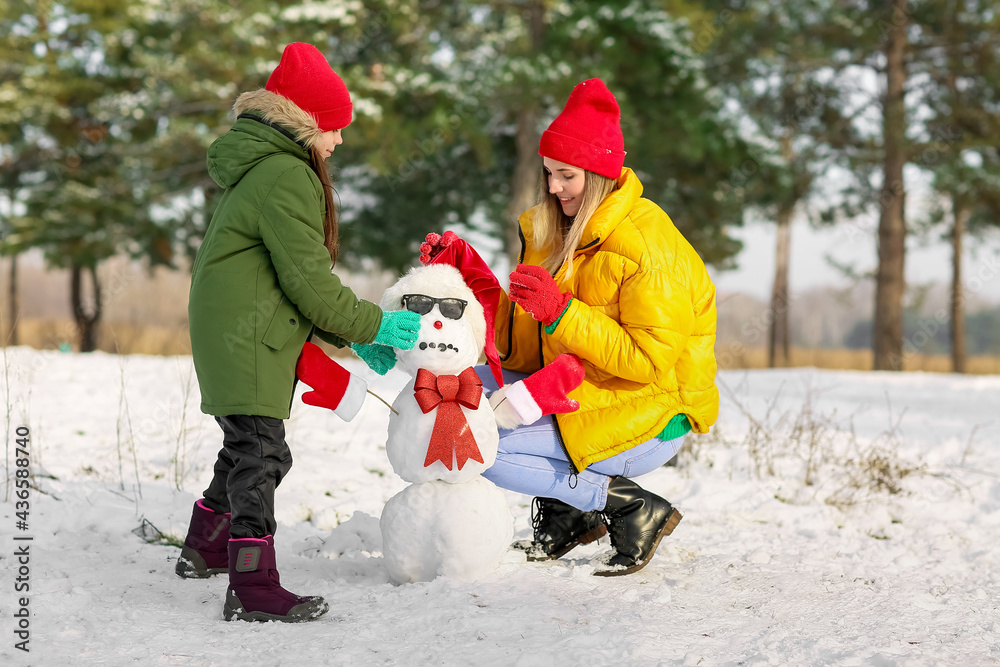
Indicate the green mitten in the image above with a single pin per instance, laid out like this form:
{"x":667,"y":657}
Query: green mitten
{"x":379,"y":358}
{"x":399,"y":329}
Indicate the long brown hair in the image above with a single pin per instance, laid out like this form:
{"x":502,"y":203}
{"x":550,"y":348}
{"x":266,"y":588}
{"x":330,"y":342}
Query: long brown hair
{"x":331,"y":239}
{"x":557,"y":234}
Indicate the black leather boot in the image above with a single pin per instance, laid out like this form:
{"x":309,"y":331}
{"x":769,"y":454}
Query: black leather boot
{"x":637,"y":521}
{"x":558,"y":528}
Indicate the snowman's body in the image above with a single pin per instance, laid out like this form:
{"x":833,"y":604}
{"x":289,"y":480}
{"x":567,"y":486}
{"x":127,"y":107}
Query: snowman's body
{"x":450,"y":521}
{"x":410,"y":435}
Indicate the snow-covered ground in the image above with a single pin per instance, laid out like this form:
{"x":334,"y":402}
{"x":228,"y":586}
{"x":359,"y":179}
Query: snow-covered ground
{"x":834,"y":518}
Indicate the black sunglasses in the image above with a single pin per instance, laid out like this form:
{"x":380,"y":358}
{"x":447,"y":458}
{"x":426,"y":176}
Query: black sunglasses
{"x":421,"y":304}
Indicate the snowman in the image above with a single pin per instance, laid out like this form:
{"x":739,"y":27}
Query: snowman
{"x":443,"y":432}
{"x":450,"y":521}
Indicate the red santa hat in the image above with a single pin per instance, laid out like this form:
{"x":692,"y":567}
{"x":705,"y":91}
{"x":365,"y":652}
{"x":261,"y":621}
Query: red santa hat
{"x":306,"y":78}
{"x":588,"y":132}
{"x":484,"y":285}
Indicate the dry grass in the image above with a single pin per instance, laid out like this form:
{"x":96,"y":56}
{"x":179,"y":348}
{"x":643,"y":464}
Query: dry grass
{"x":740,"y":357}
{"x":50,"y":334}
{"x":130,"y":338}
{"x":121,"y":338}
{"x":820,"y":451}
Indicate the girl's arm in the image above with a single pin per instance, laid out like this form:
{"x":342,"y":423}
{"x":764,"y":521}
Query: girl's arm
{"x":291,"y":227}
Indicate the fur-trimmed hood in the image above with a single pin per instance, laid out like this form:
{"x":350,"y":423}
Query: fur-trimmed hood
{"x":278,"y":127}
{"x":282,"y":111}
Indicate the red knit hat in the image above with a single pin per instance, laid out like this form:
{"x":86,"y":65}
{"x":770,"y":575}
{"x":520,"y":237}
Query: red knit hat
{"x":588,"y":132}
{"x":306,"y":78}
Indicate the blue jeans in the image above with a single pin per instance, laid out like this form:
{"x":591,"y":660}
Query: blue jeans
{"x":531,"y":460}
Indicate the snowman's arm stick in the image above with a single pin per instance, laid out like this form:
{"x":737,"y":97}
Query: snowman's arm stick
{"x":504,"y":412}
{"x":383,"y":400}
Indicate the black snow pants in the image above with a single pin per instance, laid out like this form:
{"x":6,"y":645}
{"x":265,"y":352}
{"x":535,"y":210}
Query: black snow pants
{"x":252,"y":462}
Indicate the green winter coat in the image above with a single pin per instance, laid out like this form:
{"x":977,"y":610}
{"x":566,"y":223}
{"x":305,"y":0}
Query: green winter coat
{"x":262,"y":281}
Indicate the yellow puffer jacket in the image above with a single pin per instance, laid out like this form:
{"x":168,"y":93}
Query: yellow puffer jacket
{"x":642,"y":320}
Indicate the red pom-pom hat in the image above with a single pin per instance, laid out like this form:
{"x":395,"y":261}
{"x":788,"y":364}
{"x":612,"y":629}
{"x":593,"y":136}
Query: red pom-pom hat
{"x":305,"y":77}
{"x":588,"y":132}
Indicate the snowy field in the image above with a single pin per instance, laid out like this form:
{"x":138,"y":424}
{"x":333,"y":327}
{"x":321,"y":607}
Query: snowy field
{"x":831,"y":518}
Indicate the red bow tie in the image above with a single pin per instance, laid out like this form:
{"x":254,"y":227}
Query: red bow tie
{"x":452,"y":437}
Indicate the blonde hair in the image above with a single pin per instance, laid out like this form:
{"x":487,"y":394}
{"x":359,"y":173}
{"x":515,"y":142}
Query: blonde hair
{"x":557,"y":234}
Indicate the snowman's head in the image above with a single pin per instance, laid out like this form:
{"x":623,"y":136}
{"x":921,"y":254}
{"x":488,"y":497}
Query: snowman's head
{"x":452,"y":322}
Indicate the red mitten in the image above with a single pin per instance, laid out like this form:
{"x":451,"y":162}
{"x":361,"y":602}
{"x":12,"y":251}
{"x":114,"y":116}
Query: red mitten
{"x":544,"y":392}
{"x":433,"y":244}
{"x":532,"y":288}
{"x":334,"y":386}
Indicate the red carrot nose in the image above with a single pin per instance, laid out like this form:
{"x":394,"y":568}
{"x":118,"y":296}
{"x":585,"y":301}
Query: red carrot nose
{"x":437,"y":324}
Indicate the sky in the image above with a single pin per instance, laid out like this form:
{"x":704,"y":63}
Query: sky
{"x":853,"y":245}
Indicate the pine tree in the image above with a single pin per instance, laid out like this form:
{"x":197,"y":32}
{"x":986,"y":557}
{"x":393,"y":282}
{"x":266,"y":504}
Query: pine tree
{"x":772,"y":61}
{"x":962,"y":53}
{"x":81,"y":205}
{"x":450,"y":97}
{"x":123,"y":99}
{"x":500,"y":72}
{"x":22,"y":149}
{"x":681,"y":143}
{"x":890,"y":281}
{"x":877,"y":41}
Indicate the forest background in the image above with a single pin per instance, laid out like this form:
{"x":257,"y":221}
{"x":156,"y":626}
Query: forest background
{"x":735,"y":113}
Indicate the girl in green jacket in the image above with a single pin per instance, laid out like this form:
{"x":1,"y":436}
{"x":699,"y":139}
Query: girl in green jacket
{"x":261,"y":285}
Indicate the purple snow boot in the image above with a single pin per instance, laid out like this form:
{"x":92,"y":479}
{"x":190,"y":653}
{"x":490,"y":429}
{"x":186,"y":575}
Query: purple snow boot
{"x":255,"y":592}
{"x":205,"y":550}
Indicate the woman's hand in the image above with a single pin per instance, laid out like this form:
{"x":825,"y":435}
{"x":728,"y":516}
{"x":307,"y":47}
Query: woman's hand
{"x":532,"y":288}
{"x":433,"y":245}
{"x":544,"y":392}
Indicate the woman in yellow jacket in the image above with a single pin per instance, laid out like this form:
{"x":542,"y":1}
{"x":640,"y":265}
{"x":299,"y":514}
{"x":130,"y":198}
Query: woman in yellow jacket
{"x":604,"y":275}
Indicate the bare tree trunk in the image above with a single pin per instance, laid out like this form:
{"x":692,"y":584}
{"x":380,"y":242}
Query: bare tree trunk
{"x":86,"y":323}
{"x":890,"y":285}
{"x":779,"y":334}
{"x":13,"y":336}
{"x":958,"y":356}
{"x":524,"y":183}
